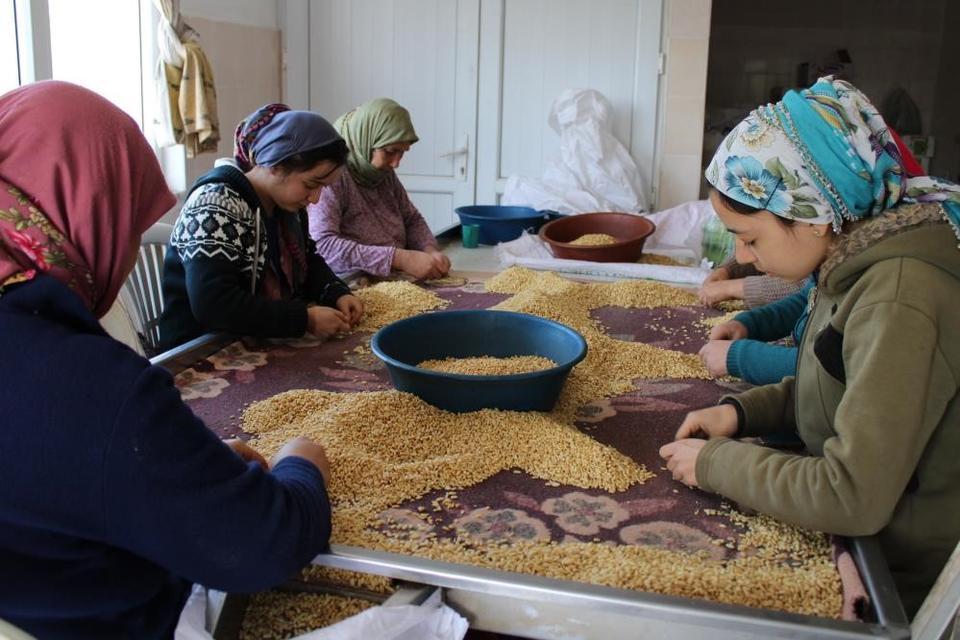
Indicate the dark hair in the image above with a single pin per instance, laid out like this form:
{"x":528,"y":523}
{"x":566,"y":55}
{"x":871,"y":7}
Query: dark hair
{"x":746,"y":209}
{"x":336,"y":152}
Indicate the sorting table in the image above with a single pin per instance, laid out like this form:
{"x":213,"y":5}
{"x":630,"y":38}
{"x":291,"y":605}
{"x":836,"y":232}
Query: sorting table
{"x":219,"y":375}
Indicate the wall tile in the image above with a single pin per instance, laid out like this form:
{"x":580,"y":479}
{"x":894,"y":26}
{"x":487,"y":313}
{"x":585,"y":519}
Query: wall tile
{"x":689,"y":18}
{"x":687,"y":66}
{"x":679,"y":179}
{"x":683,"y":126}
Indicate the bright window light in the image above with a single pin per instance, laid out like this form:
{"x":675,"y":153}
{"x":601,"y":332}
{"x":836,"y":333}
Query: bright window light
{"x":96,"y":44}
{"x":9,"y":60}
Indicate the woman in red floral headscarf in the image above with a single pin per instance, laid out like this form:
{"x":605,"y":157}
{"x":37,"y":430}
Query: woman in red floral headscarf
{"x":114,"y":497}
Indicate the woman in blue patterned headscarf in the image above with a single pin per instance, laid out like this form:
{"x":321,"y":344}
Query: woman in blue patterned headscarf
{"x":822,"y":155}
{"x":816,"y":184}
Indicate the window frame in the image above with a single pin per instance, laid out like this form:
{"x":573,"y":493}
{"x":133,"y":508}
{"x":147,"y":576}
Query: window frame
{"x":35,"y":61}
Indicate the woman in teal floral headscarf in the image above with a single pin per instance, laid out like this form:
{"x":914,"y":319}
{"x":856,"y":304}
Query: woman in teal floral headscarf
{"x":822,"y":155}
{"x":816,"y":184}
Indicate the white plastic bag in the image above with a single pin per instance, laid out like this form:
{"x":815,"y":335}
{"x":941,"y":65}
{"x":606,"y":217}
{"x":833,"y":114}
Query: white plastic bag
{"x":533,"y":253}
{"x":594,"y":171}
{"x":431,"y":620}
{"x":680,"y":228}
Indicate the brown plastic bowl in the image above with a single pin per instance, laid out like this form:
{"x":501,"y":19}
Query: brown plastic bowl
{"x":631,"y":231}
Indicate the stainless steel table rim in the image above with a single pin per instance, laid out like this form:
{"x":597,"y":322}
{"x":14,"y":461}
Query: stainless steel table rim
{"x":465,"y":584}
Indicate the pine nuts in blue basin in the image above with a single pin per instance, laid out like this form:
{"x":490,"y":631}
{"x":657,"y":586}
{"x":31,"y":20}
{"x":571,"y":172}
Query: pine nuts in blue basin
{"x":404,"y":344}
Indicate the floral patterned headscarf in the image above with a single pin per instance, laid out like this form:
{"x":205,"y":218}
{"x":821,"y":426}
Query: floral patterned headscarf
{"x":822,"y":155}
{"x":78,"y":182}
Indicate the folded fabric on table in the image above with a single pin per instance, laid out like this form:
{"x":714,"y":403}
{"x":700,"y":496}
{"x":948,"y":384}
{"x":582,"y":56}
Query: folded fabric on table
{"x":530,"y":251}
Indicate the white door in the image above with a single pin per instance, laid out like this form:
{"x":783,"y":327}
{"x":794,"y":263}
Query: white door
{"x":421,"y":53}
{"x":478,"y":77}
{"x":531,"y":50}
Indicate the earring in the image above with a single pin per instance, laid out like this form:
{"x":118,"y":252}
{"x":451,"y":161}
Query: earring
{"x":818,"y":232}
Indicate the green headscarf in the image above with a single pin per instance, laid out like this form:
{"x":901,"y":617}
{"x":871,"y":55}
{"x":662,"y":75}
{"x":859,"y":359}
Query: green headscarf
{"x":375,"y":124}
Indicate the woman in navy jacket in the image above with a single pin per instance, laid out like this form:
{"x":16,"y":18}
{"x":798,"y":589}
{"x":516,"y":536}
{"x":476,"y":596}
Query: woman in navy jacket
{"x":114,"y":497}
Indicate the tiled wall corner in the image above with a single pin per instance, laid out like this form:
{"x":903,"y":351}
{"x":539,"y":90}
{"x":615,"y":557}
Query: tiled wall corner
{"x":686,"y":44}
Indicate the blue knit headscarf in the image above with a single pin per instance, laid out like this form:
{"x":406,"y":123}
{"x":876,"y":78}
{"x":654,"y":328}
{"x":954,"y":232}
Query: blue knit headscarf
{"x":273,"y":133}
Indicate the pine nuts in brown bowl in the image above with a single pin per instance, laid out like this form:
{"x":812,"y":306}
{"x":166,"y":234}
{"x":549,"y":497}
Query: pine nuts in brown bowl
{"x":599,"y":237}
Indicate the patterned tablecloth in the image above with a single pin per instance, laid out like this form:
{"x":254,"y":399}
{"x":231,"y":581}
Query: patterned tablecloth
{"x":512,"y":504}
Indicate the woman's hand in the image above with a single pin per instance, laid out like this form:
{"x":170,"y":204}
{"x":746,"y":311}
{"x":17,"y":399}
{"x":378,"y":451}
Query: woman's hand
{"x":324,"y":322}
{"x":350,"y":306}
{"x":720,"y":273}
{"x":681,"y":457}
{"x":681,"y":454}
{"x":713,"y":422}
{"x":713,"y":355}
{"x":419,"y":264}
{"x":308,"y":450}
{"x":441,"y":261}
{"x":713,"y":293}
{"x":246,"y":452}
{"x":729,"y":330}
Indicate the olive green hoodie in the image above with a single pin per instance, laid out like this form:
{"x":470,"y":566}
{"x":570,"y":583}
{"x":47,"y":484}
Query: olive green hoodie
{"x":874,"y":400}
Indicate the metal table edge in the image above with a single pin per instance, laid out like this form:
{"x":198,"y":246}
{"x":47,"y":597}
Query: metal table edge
{"x":706,"y":613}
{"x":892,"y":621}
{"x":878,"y":581}
{"x":184,"y":355}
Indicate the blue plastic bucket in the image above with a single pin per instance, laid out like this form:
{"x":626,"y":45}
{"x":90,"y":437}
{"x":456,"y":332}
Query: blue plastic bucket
{"x":502,"y":224}
{"x":402,"y":345}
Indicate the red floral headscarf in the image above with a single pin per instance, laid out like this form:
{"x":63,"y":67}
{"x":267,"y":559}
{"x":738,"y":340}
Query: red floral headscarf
{"x":78,"y":182}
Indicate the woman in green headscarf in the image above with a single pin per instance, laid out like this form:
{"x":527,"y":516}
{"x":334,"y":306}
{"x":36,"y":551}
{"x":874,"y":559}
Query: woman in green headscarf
{"x":815,"y":184}
{"x":366,"y":221}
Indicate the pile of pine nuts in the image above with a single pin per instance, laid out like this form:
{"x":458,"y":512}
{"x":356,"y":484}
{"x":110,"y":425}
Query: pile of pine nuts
{"x":387,"y":448}
{"x":594,"y":240}
{"x":489,"y":366}
{"x":275,"y":615}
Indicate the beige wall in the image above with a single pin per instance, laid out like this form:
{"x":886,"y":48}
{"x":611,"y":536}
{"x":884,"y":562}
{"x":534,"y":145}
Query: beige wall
{"x":246,"y":72}
{"x":686,"y":41}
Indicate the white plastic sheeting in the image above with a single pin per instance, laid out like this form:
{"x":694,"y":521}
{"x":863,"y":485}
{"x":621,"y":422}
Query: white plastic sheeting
{"x":679,"y":234}
{"x":594,"y":172}
{"x":431,"y":620}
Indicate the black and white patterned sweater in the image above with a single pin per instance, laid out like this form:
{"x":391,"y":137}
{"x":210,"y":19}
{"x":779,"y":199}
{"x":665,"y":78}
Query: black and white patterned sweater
{"x":208,"y":270}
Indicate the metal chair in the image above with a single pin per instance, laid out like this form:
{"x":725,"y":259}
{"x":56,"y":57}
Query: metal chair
{"x":142,"y":288}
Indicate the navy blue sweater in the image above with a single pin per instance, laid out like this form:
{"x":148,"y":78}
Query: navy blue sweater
{"x":757,"y":361}
{"x":208,"y":263}
{"x":114,"y":497}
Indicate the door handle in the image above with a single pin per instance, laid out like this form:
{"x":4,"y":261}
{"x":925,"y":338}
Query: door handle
{"x":461,"y":156}
{"x":462,"y":151}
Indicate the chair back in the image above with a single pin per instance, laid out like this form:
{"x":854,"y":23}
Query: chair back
{"x":143,"y":285}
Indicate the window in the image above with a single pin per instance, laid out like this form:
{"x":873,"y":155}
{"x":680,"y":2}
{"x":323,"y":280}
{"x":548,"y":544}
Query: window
{"x":108,"y":46}
{"x":101,"y":54}
{"x":9,"y":56}
{"x":97,"y":44}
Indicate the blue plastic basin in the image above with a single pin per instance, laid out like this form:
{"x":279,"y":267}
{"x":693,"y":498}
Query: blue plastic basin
{"x":476,"y":333}
{"x":502,"y":224}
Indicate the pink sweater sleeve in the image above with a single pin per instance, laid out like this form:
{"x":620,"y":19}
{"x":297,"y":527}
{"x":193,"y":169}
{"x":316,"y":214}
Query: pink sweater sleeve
{"x":761,"y":290}
{"x":419,"y":236}
{"x":341,"y":253}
